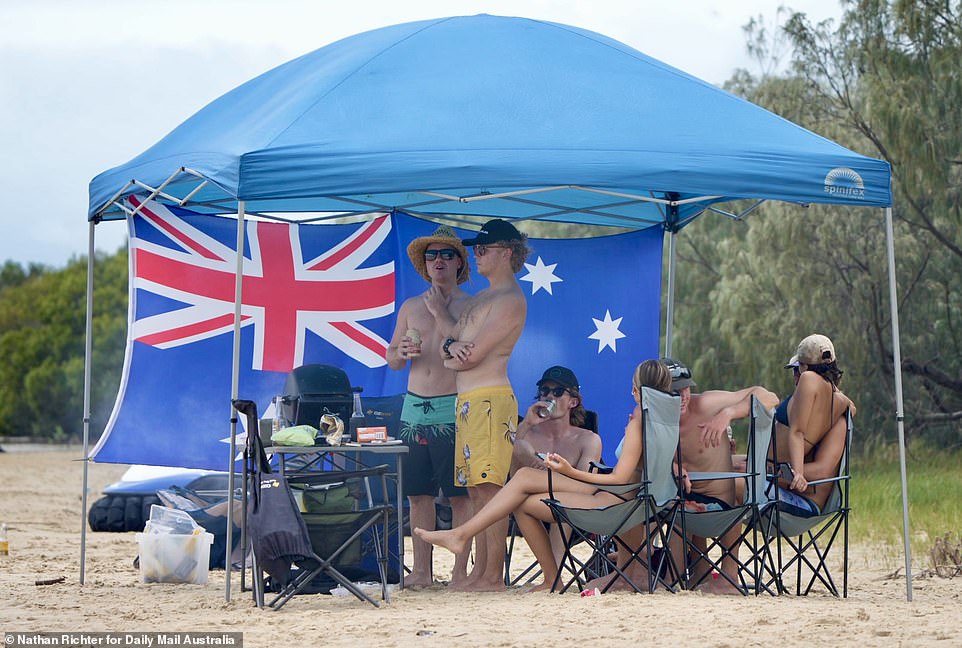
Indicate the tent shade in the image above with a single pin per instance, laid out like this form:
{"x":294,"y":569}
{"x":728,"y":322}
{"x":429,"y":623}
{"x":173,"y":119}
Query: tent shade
{"x":422,"y":115}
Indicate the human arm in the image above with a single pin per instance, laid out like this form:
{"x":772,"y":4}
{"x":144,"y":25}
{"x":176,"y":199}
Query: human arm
{"x":624,"y":472}
{"x":524,"y":451}
{"x":495,"y":324}
{"x":438,"y":304}
{"x":401,"y":345}
{"x":800,"y":410}
{"x":828,"y":453}
{"x":728,"y":407}
{"x":590,"y":451}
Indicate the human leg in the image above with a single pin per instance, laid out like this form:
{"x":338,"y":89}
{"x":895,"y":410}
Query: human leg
{"x":496,"y":506}
{"x":491,"y":549}
{"x":422,"y":517}
{"x":420,"y":487}
{"x":460,"y":513}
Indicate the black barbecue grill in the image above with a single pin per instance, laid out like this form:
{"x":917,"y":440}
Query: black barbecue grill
{"x":316,"y":389}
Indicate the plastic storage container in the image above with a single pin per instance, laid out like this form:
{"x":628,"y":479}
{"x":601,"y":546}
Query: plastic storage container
{"x":174,"y":557}
{"x":173,"y":548}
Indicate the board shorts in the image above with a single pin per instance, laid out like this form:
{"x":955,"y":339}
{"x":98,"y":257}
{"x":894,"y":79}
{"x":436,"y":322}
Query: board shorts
{"x":427,"y":429}
{"x":793,"y":503}
{"x":699,"y":503}
{"x":487,"y":419}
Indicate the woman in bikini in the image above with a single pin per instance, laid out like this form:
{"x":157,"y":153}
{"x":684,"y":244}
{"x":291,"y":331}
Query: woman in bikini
{"x":810,"y":424}
{"x":523,"y":493}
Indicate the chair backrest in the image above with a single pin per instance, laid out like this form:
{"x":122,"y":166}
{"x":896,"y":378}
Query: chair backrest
{"x":591,"y":421}
{"x":660,"y":431}
{"x":761,"y":428}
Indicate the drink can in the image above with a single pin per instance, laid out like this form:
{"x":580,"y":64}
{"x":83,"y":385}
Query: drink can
{"x":544,"y":411}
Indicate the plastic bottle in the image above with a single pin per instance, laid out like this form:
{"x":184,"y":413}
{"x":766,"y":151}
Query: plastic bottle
{"x":357,"y":416}
{"x":4,"y":543}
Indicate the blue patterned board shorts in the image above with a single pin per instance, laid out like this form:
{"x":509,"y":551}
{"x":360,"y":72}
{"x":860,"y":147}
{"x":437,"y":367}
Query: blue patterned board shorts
{"x":427,"y":428}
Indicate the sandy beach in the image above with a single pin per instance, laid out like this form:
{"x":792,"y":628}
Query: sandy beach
{"x":40,"y":501}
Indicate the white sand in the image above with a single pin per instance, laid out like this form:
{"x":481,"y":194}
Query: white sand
{"x":40,"y":502}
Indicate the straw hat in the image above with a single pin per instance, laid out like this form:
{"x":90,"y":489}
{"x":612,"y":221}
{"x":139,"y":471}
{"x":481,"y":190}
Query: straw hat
{"x":443,"y":234}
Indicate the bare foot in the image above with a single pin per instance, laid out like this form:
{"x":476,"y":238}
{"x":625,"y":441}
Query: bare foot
{"x":484,"y":586}
{"x":719,"y":585}
{"x":619,"y":584}
{"x":447,"y":539}
{"x":418,"y":581}
{"x":543,"y":587}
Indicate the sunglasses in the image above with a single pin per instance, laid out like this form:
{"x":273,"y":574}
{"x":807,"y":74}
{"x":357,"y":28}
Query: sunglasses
{"x":796,"y":372}
{"x":557,"y":392}
{"x":447,"y":254}
{"x":679,"y":372}
{"x":481,"y":250}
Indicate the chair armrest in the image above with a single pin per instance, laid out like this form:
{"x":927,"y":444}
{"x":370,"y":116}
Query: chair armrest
{"x":709,"y":476}
{"x":329,"y":476}
{"x":829,"y":480}
{"x":599,"y":467}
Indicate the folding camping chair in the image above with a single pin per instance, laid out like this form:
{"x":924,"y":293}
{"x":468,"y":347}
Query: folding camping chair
{"x":714,"y":525}
{"x":279,"y":536}
{"x":282,"y":537}
{"x":810,"y":538}
{"x":532,"y":570}
{"x":652,"y":502}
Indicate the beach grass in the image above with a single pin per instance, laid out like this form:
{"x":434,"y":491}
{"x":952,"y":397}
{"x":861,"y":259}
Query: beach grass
{"x":935,"y":506}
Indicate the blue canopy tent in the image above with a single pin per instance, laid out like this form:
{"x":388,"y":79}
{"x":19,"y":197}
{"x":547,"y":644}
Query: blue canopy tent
{"x":497,"y":117}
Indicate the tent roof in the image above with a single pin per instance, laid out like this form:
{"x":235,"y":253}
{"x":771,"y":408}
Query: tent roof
{"x":457,"y":115}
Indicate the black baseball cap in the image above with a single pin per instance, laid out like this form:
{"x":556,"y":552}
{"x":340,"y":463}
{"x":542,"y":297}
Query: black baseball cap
{"x":494,"y":231}
{"x":680,"y":374}
{"x":561,"y":375}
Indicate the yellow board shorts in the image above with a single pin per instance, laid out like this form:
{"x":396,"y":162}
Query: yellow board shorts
{"x":484,"y":430}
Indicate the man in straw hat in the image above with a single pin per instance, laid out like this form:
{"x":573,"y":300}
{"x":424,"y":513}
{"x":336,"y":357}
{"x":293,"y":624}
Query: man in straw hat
{"x":487,"y":411}
{"x":427,"y":416}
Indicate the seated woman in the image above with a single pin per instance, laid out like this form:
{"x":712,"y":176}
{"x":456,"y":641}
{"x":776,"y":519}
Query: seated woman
{"x":522,"y":495}
{"x":811,"y":426}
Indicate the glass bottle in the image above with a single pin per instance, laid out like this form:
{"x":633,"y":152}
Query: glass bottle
{"x":4,"y":543}
{"x":358,"y":420}
{"x":278,"y":423}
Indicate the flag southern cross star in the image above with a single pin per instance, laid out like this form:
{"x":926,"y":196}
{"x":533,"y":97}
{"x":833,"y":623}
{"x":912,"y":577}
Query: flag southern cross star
{"x":607,"y":332}
{"x":542,"y":276}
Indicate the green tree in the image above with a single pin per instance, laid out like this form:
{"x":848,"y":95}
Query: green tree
{"x":891,"y":75}
{"x":886,"y":83}
{"x":42,"y":332}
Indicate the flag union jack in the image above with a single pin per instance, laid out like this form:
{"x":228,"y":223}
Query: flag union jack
{"x":291,"y":285}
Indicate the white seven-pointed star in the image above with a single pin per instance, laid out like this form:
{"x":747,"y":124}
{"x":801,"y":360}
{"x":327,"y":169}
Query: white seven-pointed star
{"x":540,"y":276}
{"x":606,"y":332}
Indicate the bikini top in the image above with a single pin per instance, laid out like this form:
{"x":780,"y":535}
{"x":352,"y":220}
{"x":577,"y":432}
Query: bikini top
{"x":781,"y":412}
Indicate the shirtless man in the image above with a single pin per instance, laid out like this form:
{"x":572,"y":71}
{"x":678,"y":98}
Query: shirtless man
{"x":704,"y":422}
{"x":487,"y":410}
{"x":427,"y":417}
{"x":560,"y":432}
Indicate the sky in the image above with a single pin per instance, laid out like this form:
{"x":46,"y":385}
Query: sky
{"x":87,"y":85}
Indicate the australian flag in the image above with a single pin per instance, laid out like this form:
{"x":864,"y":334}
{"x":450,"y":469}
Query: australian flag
{"x":328,"y":294}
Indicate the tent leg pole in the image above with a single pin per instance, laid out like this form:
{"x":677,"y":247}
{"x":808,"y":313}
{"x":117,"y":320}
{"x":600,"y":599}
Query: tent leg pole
{"x":234,"y":387}
{"x":670,"y":302}
{"x":899,"y":412}
{"x":88,"y":354}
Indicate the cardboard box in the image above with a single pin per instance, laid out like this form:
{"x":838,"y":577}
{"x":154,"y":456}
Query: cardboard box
{"x":372,"y":434}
